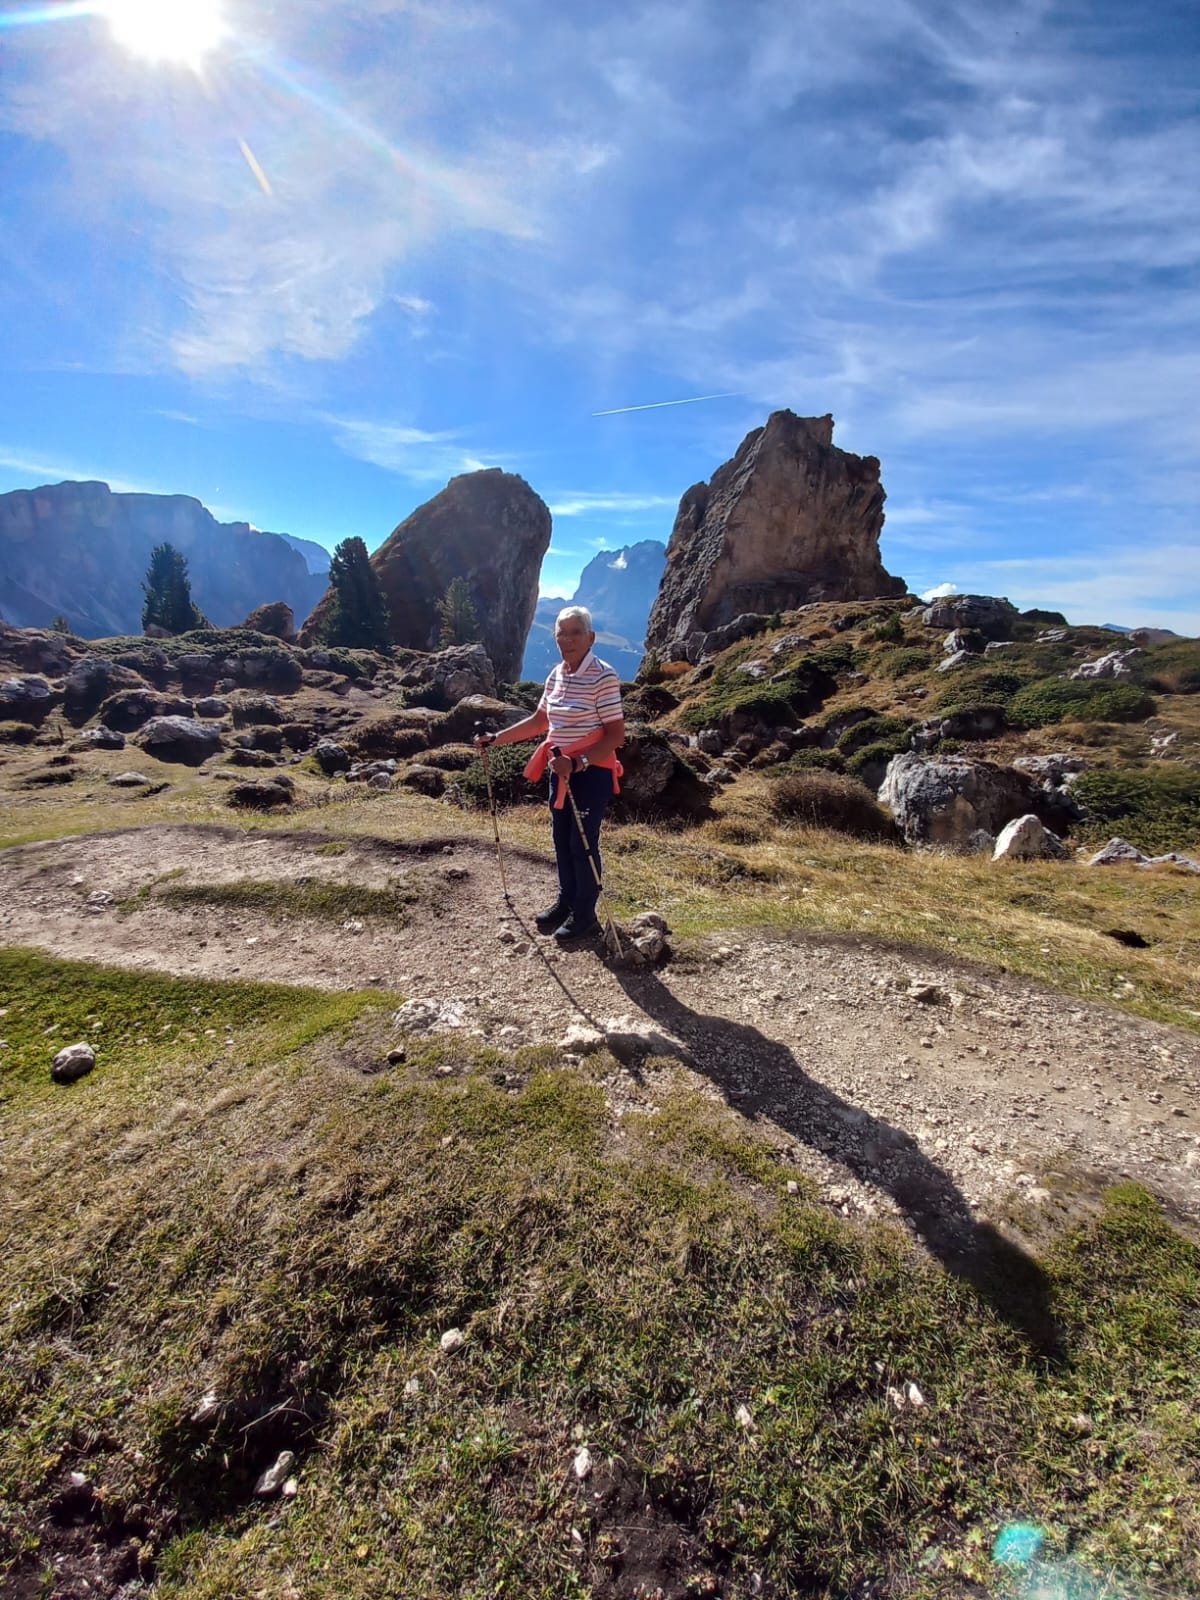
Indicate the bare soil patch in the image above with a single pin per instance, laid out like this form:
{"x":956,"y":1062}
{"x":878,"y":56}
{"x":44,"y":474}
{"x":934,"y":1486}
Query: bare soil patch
{"x":907,"y":1083}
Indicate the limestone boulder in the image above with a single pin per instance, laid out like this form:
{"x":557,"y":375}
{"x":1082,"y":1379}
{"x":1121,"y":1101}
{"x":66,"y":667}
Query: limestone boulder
{"x":262,"y":794}
{"x":656,"y":781}
{"x":276,"y":619}
{"x":458,"y":725}
{"x":99,"y":738}
{"x":445,"y":677}
{"x":488,"y":528}
{"x":943,"y":800}
{"x":91,"y":681}
{"x":1116,"y":664}
{"x":26,"y":699}
{"x":1027,"y":839}
{"x":130,"y":709}
{"x":790,"y":520}
{"x":180,"y":739}
{"x":979,"y":613}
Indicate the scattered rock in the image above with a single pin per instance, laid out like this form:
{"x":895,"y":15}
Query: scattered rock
{"x":99,"y":738}
{"x":581,"y":1039}
{"x":266,"y":794}
{"x":180,"y":739}
{"x":276,"y":1475}
{"x":430,"y":1016}
{"x":743,"y":1418}
{"x":453,"y":1339}
{"x":1026,"y":839}
{"x":424,"y":780}
{"x":206,"y":1411}
{"x":1119,"y":852}
{"x":396,"y":1055}
{"x":631,"y":1040}
{"x":581,"y":1466}
{"x":72,"y":1063}
{"x":26,"y":699}
{"x":331,"y":758}
{"x":211,"y":705}
{"x":1114,"y":665}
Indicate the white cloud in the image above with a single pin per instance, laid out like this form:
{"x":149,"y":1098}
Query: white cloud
{"x":585,"y":504}
{"x":941,"y":591}
{"x":414,"y":304}
{"x":620,"y":563}
{"x":413,"y":453}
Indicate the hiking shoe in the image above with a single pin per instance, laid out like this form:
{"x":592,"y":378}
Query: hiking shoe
{"x":570,"y":931}
{"x":553,"y":916}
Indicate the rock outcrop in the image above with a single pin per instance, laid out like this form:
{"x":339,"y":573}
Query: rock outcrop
{"x":80,"y":549}
{"x":790,"y":520}
{"x":488,"y":528}
{"x":955,"y":802}
{"x":275,"y":618}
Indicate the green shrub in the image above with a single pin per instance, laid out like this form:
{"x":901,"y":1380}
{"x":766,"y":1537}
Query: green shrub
{"x":888,"y":631}
{"x":890,"y":731}
{"x":1078,"y":700}
{"x":386,"y":736}
{"x":813,"y":760}
{"x":871,"y":755}
{"x":1155,"y":808}
{"x":1173,"y":667}
{"x":510,"y":786}
{"x":830,"y":800}
{"x":526,"y":692}
{"x":900,"y":663}
{"x":980,"y":686}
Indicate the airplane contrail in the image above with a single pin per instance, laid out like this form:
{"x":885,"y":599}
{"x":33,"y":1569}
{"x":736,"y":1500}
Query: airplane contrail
{"x":656,"y":405}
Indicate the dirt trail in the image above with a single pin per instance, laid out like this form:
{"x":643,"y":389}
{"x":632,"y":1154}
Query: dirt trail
{"x":923,"y":1108}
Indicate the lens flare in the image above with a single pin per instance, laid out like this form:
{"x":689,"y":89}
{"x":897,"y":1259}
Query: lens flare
{"x":181,"y":32}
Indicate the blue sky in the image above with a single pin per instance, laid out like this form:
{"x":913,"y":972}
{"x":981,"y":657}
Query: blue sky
{"x":369,"y":245}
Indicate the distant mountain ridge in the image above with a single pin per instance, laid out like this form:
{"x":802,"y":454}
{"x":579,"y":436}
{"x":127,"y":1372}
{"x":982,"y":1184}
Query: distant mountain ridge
{"x":618,"y":587}
{"x":78,"y":550}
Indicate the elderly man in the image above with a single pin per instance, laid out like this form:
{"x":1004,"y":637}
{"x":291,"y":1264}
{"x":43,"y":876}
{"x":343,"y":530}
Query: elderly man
{"x":580,"y":723}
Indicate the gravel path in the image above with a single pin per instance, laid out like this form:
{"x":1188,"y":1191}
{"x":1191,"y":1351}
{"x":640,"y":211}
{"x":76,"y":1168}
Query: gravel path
{"x":906,"y":1083}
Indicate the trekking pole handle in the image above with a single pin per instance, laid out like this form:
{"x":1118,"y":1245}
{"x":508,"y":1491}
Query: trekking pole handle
{"x":485,"y":735}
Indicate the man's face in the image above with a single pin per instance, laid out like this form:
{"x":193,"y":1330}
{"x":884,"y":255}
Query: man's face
{"x":573,"y":640}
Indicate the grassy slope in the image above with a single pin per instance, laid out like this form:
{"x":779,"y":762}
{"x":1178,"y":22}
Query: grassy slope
{"x":269,"y":1221}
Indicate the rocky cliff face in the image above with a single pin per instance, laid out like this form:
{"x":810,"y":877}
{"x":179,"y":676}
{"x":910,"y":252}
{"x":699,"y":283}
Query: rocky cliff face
{"x":790,"y":520}
{"x":80,"y":550}
{"x":618,"y":587}
{"x":488,"y":528}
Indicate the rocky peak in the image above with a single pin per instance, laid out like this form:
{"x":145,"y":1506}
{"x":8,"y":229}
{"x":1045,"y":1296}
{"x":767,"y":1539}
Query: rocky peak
{"x":790,"y":520}
{"x":488,"y":528}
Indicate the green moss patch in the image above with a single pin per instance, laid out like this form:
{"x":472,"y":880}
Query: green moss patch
{"x":1078,"y":700}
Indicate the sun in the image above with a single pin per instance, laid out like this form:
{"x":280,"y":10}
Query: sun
{"x":178,"y":31}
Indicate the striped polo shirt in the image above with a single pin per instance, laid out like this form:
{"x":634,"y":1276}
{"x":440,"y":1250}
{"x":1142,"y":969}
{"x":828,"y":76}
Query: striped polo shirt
{"x":578,"y":704}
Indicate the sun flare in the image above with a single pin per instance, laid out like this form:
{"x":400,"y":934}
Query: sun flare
{"x":179,"y":31}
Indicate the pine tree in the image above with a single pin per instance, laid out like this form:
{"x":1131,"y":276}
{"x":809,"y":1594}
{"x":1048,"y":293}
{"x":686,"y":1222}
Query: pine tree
{"x":358,"y":615}
{"x":168,"y":591}
{"x":458,"y":623}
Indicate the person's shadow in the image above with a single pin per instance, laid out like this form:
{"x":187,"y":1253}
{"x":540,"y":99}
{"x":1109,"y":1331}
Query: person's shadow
{"x":754,"y":1072}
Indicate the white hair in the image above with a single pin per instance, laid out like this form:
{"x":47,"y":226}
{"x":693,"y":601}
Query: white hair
{"x":582,"y":612}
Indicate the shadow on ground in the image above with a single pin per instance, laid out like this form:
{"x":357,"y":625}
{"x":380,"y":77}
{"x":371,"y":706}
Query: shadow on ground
{"x":762,"y":1078}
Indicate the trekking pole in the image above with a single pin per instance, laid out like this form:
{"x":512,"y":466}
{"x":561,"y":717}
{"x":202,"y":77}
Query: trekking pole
{"x":481,"y":730}
{"x":610,"y":925}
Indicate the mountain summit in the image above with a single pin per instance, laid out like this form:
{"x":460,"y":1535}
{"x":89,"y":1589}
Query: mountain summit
{"x":80,"y":550}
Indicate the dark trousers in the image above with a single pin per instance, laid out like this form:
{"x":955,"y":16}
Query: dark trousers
{"x":576,"y":886}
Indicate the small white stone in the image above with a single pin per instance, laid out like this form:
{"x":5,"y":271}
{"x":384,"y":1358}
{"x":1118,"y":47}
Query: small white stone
{"x":206,"y":1410}
{"x":792,"y":1186}
{"x":453,"y":1339}
{"x":914,"y":1395}
{"x":743,"y":1418}
{"x":290,"y":1489}
{"x":274,"y":1478}
{"x":582,"y":1463}
{"x":412,"y":1388}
